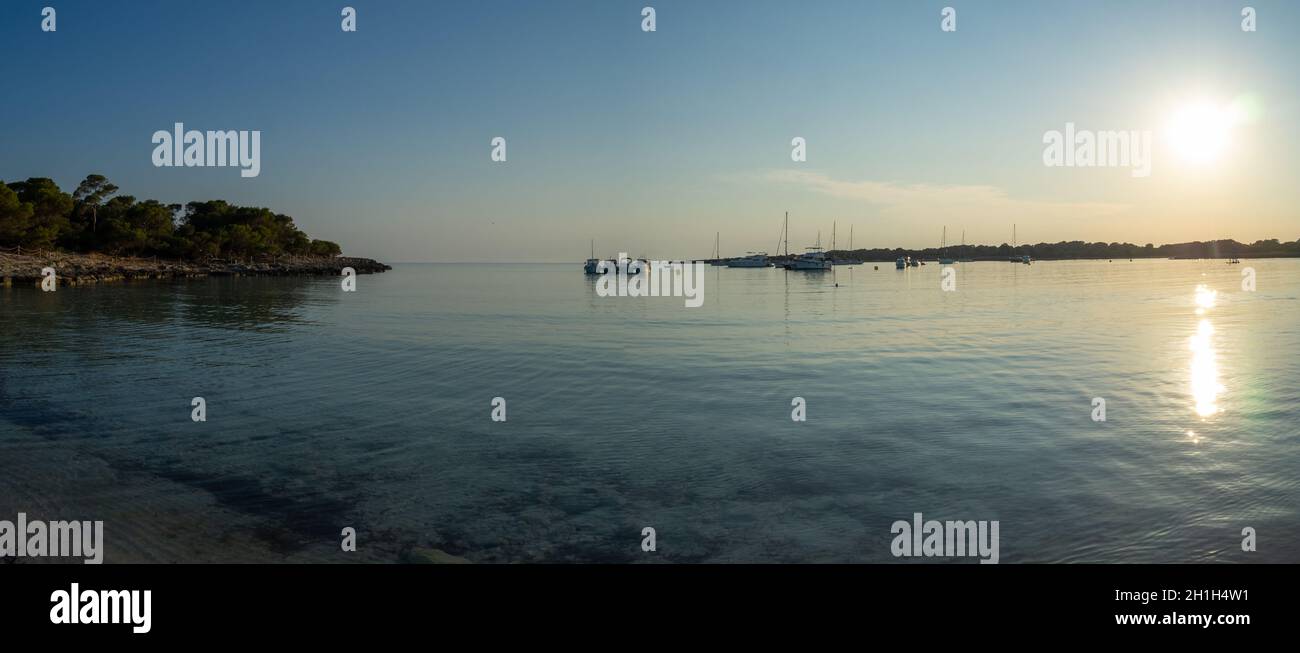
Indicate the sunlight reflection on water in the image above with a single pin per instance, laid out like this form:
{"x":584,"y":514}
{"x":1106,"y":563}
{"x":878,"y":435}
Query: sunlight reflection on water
{"x":1205,"y":371}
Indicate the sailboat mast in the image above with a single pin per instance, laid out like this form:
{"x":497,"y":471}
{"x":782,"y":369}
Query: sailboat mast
{"x":787,"y":233}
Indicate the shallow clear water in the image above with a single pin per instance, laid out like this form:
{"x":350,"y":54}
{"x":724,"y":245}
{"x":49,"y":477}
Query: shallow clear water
{"x":372,"y":409}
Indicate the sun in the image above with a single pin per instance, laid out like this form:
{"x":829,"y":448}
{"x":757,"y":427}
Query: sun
{"x":1200,"y":132}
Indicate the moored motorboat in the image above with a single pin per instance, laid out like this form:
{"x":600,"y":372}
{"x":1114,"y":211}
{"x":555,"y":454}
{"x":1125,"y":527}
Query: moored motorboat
{"x":813,"y":260}
{"x":751,"y":260}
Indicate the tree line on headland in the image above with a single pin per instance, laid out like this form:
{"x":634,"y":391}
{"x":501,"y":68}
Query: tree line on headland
{"x":37,"y":215}
{"x":1271,"y":248}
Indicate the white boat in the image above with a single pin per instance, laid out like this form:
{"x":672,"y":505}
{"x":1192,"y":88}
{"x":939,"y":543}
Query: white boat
{"x":812,"y":260}
{"x":751,"y":260}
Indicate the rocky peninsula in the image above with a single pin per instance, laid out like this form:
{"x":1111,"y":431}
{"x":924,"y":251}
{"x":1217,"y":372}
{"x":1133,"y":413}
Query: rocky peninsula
{"x":96,"y":234}
{"x":75,"y":269}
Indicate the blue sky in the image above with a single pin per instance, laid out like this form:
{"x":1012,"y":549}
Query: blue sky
{"x":651,"y":142}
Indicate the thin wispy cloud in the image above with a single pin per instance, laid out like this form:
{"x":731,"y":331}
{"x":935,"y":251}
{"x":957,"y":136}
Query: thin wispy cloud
{"x":899,"y":200}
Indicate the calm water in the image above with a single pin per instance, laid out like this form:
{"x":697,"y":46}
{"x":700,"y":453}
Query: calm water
{"x":371,"y":409}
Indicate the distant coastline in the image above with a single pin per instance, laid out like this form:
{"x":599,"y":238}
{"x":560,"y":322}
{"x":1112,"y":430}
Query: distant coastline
{"x":1079,"y":250}
{"x":1074,"y":250}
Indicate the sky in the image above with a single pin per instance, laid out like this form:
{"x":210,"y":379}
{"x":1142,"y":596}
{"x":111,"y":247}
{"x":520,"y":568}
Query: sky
{"x":652,"y":143}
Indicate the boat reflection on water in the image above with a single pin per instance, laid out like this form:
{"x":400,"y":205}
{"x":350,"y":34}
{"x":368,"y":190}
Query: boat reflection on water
{"x":1204,"y":367}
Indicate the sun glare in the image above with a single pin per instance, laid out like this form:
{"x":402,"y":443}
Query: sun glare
{"x":1200,"y":132}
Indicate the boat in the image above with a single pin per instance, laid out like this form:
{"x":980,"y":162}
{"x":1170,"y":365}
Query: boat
{"x":717,"y":259}
{"x":785,"y":235}
{"x":914,"y":262}
{"x":1017,"y":258}
{"x":591,"y":266}
{"x":901,"y":263}
{"x":943,"y":246}
{"x":841,"y":261}
{"x":751,"y":260}
{"x":814,"y":260}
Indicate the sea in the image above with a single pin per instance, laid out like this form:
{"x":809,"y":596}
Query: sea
{"x":1099,"y":411}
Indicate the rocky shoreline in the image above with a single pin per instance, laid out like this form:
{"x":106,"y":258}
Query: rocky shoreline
{"x":74,"y":269}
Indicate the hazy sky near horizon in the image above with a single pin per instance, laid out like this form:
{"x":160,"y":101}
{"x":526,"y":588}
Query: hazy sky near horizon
{"x":649,"y":143}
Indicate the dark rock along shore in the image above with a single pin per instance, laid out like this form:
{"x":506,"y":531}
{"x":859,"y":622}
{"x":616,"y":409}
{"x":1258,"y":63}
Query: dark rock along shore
{"x":71,"y":269}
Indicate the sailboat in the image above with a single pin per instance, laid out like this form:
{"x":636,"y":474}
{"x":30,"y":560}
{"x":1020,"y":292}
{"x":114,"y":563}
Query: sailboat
{"x":944,"y":259}
{"x":784,"y":241}
{"x":717,"y":251}
{"x":964,"y":258}
{"x":1017,"y":258}
{"x":841,"y":261}
{"x":590,"y":267}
